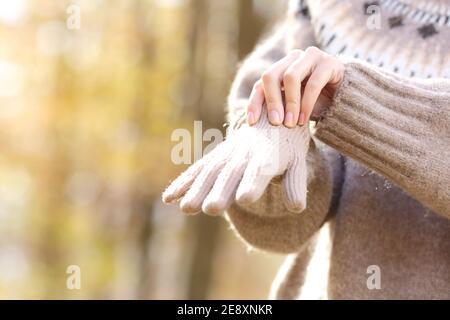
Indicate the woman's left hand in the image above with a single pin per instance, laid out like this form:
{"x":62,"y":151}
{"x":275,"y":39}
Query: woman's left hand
{"x":309,"y":80}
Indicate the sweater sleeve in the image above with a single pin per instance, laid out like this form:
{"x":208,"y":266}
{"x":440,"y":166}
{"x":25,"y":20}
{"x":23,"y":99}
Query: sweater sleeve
{"x":397,"y":126}
{"x":267,"y":224}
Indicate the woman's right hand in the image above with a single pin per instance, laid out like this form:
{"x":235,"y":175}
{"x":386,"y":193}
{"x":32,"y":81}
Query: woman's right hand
{"x":308,"y":81}
{"x":240,"y":169}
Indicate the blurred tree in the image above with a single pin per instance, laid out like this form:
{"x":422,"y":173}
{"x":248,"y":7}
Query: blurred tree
{"x":85,"y":126}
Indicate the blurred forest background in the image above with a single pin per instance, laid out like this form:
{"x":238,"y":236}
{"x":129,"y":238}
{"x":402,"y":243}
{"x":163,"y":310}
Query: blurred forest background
{"x":87,"y":109}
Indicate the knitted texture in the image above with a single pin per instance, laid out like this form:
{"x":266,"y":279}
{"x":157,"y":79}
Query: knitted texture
{"x":378,"y":161}
{"x":397,"y":126}
{"x":387,"y":200}
{"x":241,"y":168}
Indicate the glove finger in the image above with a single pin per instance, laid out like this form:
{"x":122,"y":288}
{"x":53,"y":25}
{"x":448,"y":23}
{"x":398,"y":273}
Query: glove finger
{"x":193,"y":200}
{"x":223,"y":192}
{"x":253,"y":183}
{"x":181,"y":185}
{"x":295,"y":186}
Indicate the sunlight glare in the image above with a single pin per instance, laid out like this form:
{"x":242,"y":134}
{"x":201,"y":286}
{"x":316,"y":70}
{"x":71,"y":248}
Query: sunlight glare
{"x":12,"y":11}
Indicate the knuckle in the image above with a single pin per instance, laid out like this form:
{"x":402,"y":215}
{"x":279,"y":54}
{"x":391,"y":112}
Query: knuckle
{"x":251,"y":107}
{"x":266,"y":76}
{"x":257,"y":85}
{"x":292,"y":104}
{"x":313,"y":50}
{"x":289,"y":76}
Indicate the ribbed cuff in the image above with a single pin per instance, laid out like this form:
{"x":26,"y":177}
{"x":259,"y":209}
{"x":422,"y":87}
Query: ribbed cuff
{"x":383,"y":120}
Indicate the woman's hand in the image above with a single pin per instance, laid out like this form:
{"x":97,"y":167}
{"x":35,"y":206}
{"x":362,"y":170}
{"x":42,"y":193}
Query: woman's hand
{"x":240,"y":169}
{"x":305,"y":80}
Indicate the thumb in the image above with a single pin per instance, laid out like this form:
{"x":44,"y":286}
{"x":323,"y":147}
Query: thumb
{"x":295,"y":185}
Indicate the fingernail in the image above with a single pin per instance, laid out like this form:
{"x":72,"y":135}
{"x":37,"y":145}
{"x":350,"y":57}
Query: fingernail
{"x":250,"y":118}
{"x":301,"y":120}
{"x":274,"y":117}
{"x":289,"y":119}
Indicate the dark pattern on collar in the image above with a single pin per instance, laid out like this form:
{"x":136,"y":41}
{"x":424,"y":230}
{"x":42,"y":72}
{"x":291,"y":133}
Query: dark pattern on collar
{"x":396,"y":21}
{"x":303,"y":9}
{"x":427,"y":30}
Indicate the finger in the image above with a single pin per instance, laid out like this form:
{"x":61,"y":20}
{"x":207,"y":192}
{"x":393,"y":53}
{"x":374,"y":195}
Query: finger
{"x":271,"y":80}
{"x":255,"y":103}
{"x":253,"y":183}
{"x":314,"y":86}
{"x":224,"y":190}
{"x":293,"y":77}
{"x":295,"y":186}
{"x":193,"y":200}
{"x":181,"y":184}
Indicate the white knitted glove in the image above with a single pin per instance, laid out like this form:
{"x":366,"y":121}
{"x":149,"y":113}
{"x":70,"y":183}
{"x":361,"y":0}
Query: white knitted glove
{"x":241,"y":168}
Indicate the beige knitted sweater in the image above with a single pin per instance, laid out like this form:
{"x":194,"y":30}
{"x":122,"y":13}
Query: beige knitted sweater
{"x":379,"y":167}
